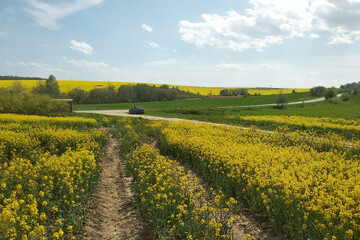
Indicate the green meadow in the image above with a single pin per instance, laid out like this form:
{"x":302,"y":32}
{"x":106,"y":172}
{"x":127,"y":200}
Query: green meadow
{"x":197,"y":102}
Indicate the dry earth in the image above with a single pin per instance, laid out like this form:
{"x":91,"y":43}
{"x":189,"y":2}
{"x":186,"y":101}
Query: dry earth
{"x":112,"y":215}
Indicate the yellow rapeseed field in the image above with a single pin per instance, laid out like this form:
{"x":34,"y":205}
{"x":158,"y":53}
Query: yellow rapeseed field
{"x":311,"y":192}
{"x":253,"y":91}
{"x":172,"y":200}
{"x":68,"y":85}
{"x":47,"y":173}
{"x":340,"y":125}
{"x":38,"y":120}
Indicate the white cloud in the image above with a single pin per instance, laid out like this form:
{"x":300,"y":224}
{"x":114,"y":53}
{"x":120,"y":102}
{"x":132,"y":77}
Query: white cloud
{"x":153,"y":44}
{"x":341,"y":40}
{"x":91,"y":70}
{"x":270,"y":66}
{"x":340,"y":17}
{"x":312,"y":73}
{"x":47,"y":15}
{"x":246,"y":66}
{"x":234,"y":66}
{"x":38,"y":65}
{"x":268,"y":23}
{"x":265,"y":24}
{"x":314,"y":35}
{"x":81,"y":47}
{"x":87,"y":64}
{"x":163,"y":63}
{"x":147,"y":27}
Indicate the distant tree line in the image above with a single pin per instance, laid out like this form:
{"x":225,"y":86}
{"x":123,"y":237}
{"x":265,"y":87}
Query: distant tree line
{"x":347,"y":91}
{"x":37,"y":102}
{"x":20,"y":78}
{"x":321,"y":91}
{"x":234,"y":92}
{"x":128,"y":93}
{"x":351,"y":88}
{"x":124,"y":94}
{"x":32,"y":104}
{"x":15,"y":100}
{"x":318,"y":91}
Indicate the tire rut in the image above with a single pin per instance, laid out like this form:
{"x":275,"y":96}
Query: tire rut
{"x":112,"y":215}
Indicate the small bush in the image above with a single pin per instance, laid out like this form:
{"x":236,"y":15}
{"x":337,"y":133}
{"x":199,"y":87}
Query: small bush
{"x":318,"y":91}
{"x":334,"y":100}
{"x":32,"y":104}
{"x":345,"y":97}
{"x":330,"y":93}
{"x":280,"y":100}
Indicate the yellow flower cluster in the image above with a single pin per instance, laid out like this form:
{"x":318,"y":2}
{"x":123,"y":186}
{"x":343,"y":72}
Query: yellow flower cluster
{"x":31,"y":141}
{"x":264,"y":92}
{"x":130,"y":139}
{"x":310,"y":193}
{"x":70,"y":122}
{"x":328,"y":124}
{"x":46,"y":176}
{"x":327,"y":141}
{"x":175,"y":203}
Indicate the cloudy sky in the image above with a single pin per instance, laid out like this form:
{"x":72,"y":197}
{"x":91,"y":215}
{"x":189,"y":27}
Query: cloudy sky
{"x":227,"y":43}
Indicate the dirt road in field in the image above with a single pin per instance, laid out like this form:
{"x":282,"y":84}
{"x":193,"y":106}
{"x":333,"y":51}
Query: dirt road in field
{"x":125,"y":113}
{"x":112,"y":215}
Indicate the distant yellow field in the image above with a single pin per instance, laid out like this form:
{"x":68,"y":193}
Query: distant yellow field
{"x":68,"y":85}
{"x":252,"y":91}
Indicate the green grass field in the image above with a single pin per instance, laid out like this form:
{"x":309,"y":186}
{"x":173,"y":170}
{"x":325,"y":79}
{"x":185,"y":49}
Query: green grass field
{"x":197,"y":103}
{"x":347,"y":110}
{"x":210,"y":110}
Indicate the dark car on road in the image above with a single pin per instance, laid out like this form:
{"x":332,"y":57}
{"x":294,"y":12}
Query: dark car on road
{"x":136,"y":110}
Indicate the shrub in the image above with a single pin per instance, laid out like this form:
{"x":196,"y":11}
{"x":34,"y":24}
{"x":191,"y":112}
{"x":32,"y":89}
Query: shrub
{"x":280,"y":100}
{"x":334,"y":100}
{"x":32,"y":104}
{"x":318,"y":91}
{"x":345,"y":97}
{"x":330,"y":93}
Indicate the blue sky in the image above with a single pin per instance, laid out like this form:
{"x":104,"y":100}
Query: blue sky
{"x":222,"y":43}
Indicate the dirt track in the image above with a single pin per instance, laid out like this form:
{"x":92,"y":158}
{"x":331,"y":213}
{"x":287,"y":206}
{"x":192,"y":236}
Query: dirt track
{"x":125,"y":113}
{"x":112,"y":215}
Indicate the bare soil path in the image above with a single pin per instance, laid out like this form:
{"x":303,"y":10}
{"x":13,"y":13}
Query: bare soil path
{"x":112,"y":215}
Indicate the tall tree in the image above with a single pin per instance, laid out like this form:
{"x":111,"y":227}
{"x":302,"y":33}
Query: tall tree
{"x":280,"y":99}
{"x":40,"y":88}
{"x":52,"y":87}
{"x":17,"y":87}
